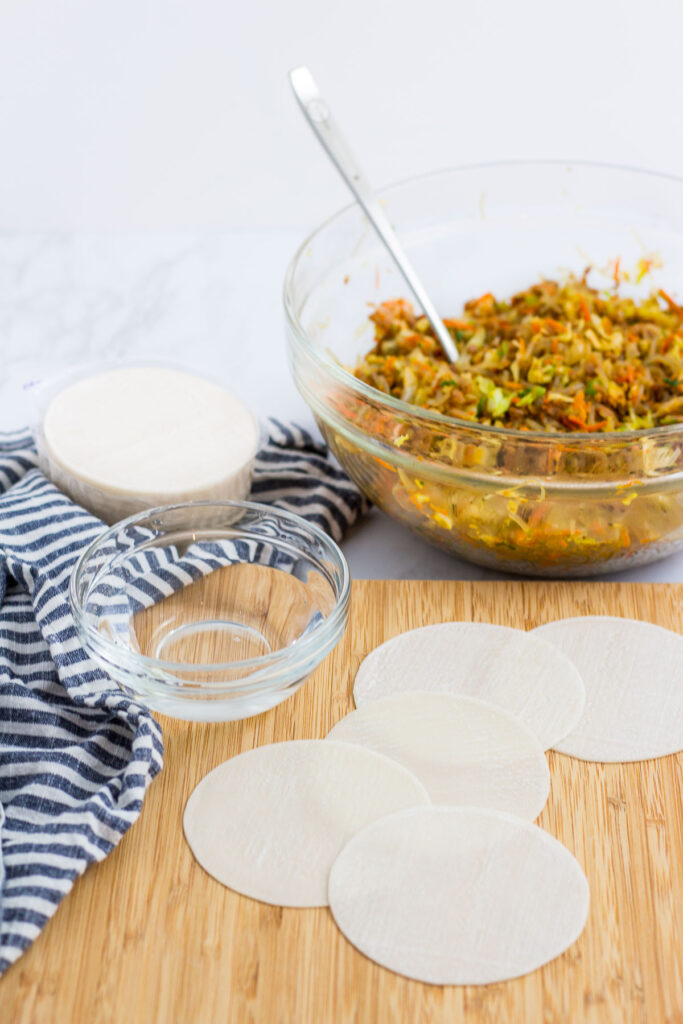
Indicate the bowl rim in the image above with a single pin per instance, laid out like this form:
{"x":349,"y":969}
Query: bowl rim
{"x":298,"y":651}
{"x":431,"y":416}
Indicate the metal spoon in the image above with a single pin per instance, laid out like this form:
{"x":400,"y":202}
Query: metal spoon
{"x":320,"y":118}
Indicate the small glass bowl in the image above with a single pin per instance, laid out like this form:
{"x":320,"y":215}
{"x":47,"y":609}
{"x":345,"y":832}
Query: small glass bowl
{"x":211,"y":611}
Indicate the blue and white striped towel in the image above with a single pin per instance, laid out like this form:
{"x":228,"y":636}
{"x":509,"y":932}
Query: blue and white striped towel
{"x":76,"y":754}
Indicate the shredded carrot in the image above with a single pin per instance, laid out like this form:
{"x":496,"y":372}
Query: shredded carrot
{"x":617,"y":264}
{"x":458,"y":325}
{"x":673,"y":306}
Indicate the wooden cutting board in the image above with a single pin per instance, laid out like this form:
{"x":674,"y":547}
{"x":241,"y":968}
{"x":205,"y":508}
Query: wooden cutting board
{"x":148,"y":936}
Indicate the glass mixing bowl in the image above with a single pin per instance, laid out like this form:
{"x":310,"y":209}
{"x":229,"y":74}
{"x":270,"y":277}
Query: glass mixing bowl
{"x":211,"y":611}
{"x":525,"y":502}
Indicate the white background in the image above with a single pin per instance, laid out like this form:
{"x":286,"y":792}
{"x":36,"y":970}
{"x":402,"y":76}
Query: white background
{"x":124,"y":117}
{"x":141,"y":114}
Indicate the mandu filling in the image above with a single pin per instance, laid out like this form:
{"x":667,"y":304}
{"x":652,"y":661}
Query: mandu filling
{"x":558,"y":357}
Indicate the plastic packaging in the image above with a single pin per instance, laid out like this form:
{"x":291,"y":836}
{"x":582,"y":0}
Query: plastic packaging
{"x":106,"y":498}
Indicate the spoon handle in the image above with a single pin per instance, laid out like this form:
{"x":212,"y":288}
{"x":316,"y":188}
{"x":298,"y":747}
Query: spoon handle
{"x":320,"y":118}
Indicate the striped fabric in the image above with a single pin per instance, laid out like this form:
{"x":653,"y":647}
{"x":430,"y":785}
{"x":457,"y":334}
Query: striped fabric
{"x":76,"y":754}
{"x":294,"y":472}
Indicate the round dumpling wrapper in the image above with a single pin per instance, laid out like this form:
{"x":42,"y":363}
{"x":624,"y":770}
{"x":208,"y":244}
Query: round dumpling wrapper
{"x":458,"y":895}
{"x":270,"y":822}
{"x":464,"y":751}
{"x":516,"y":670}
{"x":633,"y":673}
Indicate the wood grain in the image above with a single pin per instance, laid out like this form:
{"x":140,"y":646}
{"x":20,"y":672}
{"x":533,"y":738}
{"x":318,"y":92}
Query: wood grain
{"x":148,"y":936}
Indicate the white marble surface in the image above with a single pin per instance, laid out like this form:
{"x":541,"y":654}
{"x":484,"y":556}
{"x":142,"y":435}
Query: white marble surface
{"x":209,"y":301}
